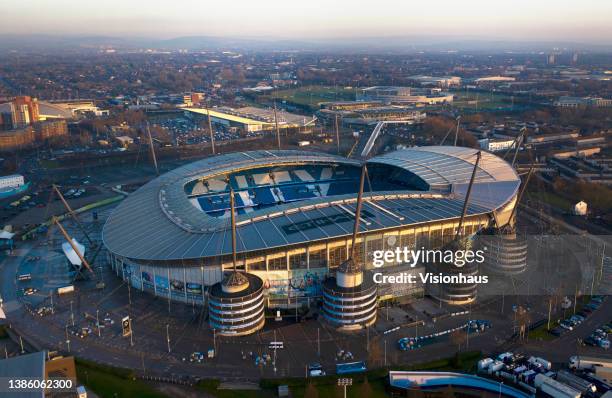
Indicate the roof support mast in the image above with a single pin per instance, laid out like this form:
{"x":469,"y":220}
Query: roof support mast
{"x":467,"y":195}
{"x":210,"y":130}
{"x":72,"y":214}
{"x":233,"y":221}
{"x":152,"y":149}
{"x":74,"y":247}
{"x":276,"y":127}
{"x":457,"y":129}
{"x":358,"y":210}
{"x":337,"y":134}
{"x":521,"y":192}
{"x":516,"y":144}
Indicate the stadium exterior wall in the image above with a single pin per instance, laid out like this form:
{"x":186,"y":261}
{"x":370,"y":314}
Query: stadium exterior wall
{"x":296,"y":274}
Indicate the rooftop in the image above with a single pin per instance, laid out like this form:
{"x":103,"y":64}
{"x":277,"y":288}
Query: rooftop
{"x":159,"y":221}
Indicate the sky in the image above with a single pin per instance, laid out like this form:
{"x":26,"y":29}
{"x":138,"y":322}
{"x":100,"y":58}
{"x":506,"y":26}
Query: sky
{"x":522,"y":20}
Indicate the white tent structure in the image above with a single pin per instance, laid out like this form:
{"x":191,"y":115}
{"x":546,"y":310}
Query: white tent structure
{"x":581,"y":208}
{"x":6,"y":234}
{"x":72,"y":256}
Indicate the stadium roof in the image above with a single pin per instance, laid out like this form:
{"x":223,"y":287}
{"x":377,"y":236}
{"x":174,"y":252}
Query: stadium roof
{"x":158,"y":222}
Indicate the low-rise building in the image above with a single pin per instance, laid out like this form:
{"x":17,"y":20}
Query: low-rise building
{"x":404,"y":95}
{"x":51,"y":128}
{"x":580,"y":102}
{"x":495,"y":145}
{"x":439,"y":81}
{"x":11,"y":181}
{"x":14,"y":139}
{"x":124,"y":140}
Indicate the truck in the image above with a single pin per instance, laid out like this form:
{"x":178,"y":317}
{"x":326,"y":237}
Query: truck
{"x":484,"y":363}
{"x":537,"y":360}
{"x":527,"y":387}
{"x":507,"y":376}
{"x":65,"y":289}
{"x":576,"y":382}
{"x":528,"y":376}
{"x":495,"y":366}
{"x":588,"y":363}
{"x":554,"y":388}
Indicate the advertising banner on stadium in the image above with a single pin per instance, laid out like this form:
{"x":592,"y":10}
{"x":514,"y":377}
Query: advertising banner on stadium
{"x":161,"y":284}
{"x":177,"y":288}
{"x":136,"y":279}
{"x":147,"y":280}
{"x":194,"y":290}
{"x":300,"y":283}
{"x":276,"y":283}
{"x":306,"y":282}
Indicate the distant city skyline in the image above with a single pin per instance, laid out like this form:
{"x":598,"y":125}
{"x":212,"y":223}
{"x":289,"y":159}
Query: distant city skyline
{"x":522,"y":20}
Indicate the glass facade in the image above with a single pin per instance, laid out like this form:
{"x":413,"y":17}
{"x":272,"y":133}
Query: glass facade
{"x":317,"y":258}
{"x":277,"y":264}
{"x":298,"y":261}
{"x":337,"y":256}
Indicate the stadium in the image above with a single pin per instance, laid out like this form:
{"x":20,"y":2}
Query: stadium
{"x":294,"y":217}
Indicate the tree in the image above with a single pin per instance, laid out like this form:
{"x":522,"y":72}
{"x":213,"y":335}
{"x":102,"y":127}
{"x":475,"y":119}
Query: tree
{"x":523,"y":319}
{"x":375,"y":354}
{"x":456,"y":361}
{"x":458,"y":337}
{"x":311,"y":391}
{"x":365,"y":390}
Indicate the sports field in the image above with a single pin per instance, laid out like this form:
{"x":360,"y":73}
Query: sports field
{"x":311,"y":96}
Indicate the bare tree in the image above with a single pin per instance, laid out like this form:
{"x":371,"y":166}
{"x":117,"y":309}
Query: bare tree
{"x":311,"y":391}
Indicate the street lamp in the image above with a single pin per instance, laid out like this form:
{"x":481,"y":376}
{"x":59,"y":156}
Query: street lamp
{"x":344,"y":383}
{"x":168,"y":336}
{"x":98,"y":322}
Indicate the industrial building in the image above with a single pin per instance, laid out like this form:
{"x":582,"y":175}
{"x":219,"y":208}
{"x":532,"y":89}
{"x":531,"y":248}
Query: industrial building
{"x":438,"y":81}
{"x":294,"y":215}
{"x":367,"y":112}
{"x":252,"y":119}
{"x":404,"y":95}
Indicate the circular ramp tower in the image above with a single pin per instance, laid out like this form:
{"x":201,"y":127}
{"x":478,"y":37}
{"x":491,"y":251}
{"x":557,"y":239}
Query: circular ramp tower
{"x":505,"y":254}
{"x":350,"y":300}
{"x":236,"y":305}
{"x":455,"y":293}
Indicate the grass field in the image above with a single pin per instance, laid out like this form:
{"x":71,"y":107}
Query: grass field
{"x":373,"y":384}
{"x":111,"y":382}
{"x":480,"y":101}
{"x":551,"y":199}
{"x":542,"y":332}
{"x":107,"y":381}
{"x":311,"y":96}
